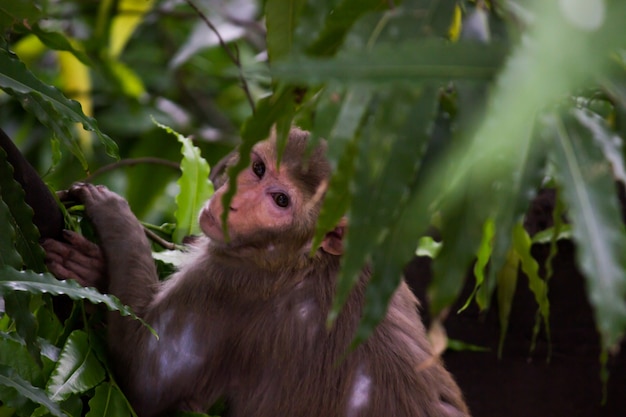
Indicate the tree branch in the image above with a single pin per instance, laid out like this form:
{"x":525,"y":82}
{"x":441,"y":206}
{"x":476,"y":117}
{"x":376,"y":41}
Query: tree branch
{"x":234,"y":56}
{"x":131,"y":162}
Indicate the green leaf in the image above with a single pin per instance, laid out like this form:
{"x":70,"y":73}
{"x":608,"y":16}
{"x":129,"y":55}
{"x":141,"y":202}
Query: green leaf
{"x":482,"y":260}
{"x":108,"y":401}
{"x":610,"y":143}
{"x":390,"y":178}
{"x":340,"y":18}
{"x":19,"y":309}
{"x":14,"y":280}
{"x":564,"y":232}
{"x":21,"y":218}
{"x":59,"y":42}
{"x":281,"y":21}
{"x":411,"y":61}
{"x":49,"y":105}
{"x":13,"y":353}
{"x":195,"y":187}
{"x":9,"y":256}
{"x":343,"y":145}
{"x":77,"y":369}
{"x":428,"y":246}
{"x":16,"y":389}
{"x":522,"y":245}
{"x":507,"y":282}
{"x":589,"y":191}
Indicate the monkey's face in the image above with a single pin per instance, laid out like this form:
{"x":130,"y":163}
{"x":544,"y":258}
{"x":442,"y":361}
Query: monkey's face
{"x":266,"y":202}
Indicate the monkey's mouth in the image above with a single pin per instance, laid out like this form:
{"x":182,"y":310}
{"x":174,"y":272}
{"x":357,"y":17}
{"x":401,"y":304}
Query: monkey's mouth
{"x":209,"y":224}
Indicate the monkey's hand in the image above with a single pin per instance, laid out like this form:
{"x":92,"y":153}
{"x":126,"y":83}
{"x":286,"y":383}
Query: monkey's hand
{"x":127,"y":253}
{"x":77,"y":259}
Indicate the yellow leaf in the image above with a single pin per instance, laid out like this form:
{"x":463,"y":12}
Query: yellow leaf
{"x":130,"y":15}
{"x":76,"y":82}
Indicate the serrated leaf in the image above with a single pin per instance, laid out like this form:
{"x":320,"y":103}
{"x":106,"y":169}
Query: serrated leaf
{"x":482,"y":260}
{"x":20,"y":217}
{"x":195,"y":187}
{"x":34,"y":283}
{"x":108,"y":401}
{"x":522,"y":245}
{"x":23,"y":389}
{"x":589,"y":191}
{"x":49,"y":105}
{"x":77,"y":369}
{"x":281,"y":20}
{"x":411,"y":61}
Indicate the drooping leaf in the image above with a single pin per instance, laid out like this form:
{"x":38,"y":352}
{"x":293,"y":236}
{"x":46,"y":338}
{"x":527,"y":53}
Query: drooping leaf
{"x":49,"y":105}
{"x":412,"y":61}
{"x":522,"y":245}
{"x":108,"y":401}
{"x":77,"y":369}
{"x":34,"y":283}
{"x":507,"y":282}
{"x":390,"y":178}
{"x":589,"y":192}
{"x":343,"y":145}
{"x":13,"y":390}
{"x":195,"y":187}
{"x":482,"y":260}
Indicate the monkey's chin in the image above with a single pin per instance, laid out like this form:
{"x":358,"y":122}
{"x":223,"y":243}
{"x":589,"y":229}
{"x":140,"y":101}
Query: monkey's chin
{"x":210,"y":226}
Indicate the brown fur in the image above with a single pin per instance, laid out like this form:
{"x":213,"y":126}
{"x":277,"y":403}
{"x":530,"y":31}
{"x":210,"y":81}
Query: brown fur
{"x":245,"y":319}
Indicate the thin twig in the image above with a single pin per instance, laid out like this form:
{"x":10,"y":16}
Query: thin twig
{"x":159,"y":240}
{"x":234,"y":57}
{"x":132,"y":162}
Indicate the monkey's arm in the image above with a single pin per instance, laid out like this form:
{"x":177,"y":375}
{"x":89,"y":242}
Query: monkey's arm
{"x":130,"y":268}
{"x":132,"y":277}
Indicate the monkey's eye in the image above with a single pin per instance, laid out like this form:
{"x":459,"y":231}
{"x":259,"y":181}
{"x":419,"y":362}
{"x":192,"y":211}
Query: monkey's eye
{"x":281,"y":200}
{"x":258,"y":167}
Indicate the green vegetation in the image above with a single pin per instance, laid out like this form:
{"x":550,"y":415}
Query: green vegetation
{"x":450,"y":113}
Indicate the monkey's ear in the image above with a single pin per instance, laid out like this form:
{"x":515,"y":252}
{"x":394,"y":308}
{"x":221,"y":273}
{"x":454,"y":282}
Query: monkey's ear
{"x":333,"y":241}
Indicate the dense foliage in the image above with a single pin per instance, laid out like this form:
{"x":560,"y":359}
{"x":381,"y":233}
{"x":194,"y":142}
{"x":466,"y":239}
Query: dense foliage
{"x":444,"y":113}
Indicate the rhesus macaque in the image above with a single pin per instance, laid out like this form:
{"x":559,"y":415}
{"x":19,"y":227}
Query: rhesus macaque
{"x":245,"y":318}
